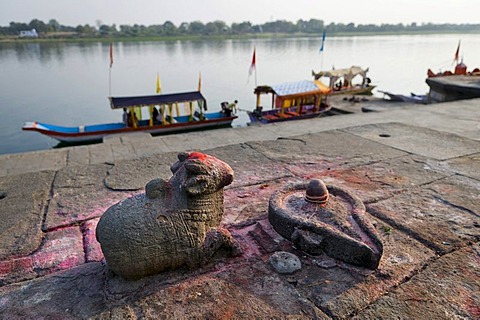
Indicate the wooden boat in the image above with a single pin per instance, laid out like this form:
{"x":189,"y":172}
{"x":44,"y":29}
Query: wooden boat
{"x":460,"y":68}
{"x":341,"y":81}
{"x":291,"y":101}
{"x":413,"y":98}
{"x":457,"y":85}
{"x":166,"y":123}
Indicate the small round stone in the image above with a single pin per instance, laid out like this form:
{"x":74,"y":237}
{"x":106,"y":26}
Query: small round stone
{"x":317,"y":192}
{"x":285,"y":262}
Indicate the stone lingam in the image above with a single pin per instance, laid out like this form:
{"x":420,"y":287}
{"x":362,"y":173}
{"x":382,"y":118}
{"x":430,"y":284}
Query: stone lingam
{"x":173,"y":224}
{"x":321,"y":218}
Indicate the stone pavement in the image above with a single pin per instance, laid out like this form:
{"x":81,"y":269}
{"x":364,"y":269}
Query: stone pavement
{"x":416,"y":168}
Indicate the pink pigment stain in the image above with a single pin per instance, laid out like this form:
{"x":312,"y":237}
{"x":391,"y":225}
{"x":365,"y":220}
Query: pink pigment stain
{"x":93,"y":251}
{"x":15,"y":265}
{"x":62,"y":249}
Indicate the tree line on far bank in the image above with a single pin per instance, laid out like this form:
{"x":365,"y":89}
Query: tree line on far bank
{"x":53,"y":28}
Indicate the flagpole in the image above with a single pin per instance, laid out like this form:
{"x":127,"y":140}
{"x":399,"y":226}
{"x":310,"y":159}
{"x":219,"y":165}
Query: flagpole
{"x":110,"y":72}
{"x":321,"y":61}
{"x":322,"y":46}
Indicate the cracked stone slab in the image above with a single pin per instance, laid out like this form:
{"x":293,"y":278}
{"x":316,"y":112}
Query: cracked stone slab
{"x":444,"y":215}
{"x":77,"y":293}
{"x":135,"y":174}
{"x":221,"y":297}
{"x":332,"y":146}
{"x":248,"y":204}
{"x":79,"y":194}
{"x":466,"y":198}
{"x":86,"y":292}
{"x":249,"y":165}
{"x":23,"y":199}
{"x":61,"y":249}
{"x":380,"y":180}
{"x":449,"y":288}
{"x":468,"y":166}
{"x":417,"y":140}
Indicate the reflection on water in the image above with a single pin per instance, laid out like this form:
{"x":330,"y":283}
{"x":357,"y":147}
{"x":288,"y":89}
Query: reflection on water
{"x":68,"y":83}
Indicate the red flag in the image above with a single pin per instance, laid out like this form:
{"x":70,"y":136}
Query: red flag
{"x":457,"y":52}
{"x":111,"y":55}
{"x":252,"y":66}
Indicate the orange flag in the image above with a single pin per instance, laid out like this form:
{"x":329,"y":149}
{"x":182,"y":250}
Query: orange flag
{"x":199,"y":81}
{"x":457,"y":52}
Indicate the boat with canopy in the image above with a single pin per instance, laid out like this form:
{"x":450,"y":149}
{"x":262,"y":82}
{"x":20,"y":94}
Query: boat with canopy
{"x":341,"y":80}
{"x":165,"y":117}
{"x":291,"y":101}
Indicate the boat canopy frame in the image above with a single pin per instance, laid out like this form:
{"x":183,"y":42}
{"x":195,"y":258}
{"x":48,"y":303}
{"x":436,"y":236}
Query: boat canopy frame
{"x":346,"y":74}
{"x":293,"y":94}
{"x":166,"y":102}
{"x":157,"y":100}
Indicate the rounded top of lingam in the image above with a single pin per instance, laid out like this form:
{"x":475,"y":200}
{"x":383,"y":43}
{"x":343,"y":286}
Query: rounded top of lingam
{"x":316,"y":192}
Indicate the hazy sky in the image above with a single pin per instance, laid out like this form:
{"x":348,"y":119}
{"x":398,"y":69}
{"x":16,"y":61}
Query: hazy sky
{"x":148,"y":12}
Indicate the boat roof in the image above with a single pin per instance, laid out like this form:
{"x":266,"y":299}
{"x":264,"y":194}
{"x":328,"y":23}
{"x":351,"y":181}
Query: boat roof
{"x":300,"y":88}
{"x":154,"y":100}
{"x":352,"y":72}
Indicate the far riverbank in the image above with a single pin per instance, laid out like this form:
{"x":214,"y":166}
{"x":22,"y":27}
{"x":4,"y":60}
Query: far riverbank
{"x":73,"y":38}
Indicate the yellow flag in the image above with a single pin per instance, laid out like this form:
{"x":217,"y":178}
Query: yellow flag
{"x":199,"y":81}
{"x":158,"y":83}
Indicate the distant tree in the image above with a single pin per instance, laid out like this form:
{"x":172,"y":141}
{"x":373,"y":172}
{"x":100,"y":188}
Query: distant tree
{"x":350,"y":27}
{"x":241,"y":28}
{"x":126,"y":30}
{"x":183,"y":28}
{"x":155,"y":30}
{"x":221,"y":26}
{"x":16,"y":27}
{"x":196,"y":27}
{"x":38,"y":25}
{"x":169,"y":28}
{"x":311,"y":26}
{"x":279,"y":26}
{"x":211,"y":28}
{"x":53,"y":25}
{"x":86,"y":30}
{"x":107,"y":30}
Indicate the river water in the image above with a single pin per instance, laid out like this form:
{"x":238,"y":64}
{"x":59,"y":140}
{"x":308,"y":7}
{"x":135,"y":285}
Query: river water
{"x":68,"y":83}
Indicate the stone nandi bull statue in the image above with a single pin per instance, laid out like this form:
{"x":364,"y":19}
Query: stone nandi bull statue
{"x":174,"y":223}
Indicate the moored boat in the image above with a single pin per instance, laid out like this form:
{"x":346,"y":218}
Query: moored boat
{"x":413,"y":98}
{"x":340,"y":81}
{"x":291,"y":101}
{"x":457,"y":85}
{"x":164,"y":120}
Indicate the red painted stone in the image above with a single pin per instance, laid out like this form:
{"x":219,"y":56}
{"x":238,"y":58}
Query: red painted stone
{"x":62,"y":249}
{"x":93,"y":252}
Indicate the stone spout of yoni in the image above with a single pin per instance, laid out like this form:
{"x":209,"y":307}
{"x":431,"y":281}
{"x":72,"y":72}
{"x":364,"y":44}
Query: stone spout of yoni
{"x":173,"y":224}
{"x":326,"y":219}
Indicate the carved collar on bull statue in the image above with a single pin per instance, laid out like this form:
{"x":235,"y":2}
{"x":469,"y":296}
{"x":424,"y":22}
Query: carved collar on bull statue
{"x":173,"y":224}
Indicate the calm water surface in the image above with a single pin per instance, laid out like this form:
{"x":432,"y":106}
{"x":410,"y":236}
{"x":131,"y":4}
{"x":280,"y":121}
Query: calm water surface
{"x":68,"y":83}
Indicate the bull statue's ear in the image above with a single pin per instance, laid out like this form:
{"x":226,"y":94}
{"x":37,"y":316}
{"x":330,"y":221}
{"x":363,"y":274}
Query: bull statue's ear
{"x":197,"y":185}
{"x":182,"y":156}
{"x":156,"y":188}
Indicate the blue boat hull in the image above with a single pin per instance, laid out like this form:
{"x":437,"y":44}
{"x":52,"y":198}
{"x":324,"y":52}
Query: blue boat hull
{"x":92,"y":133}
